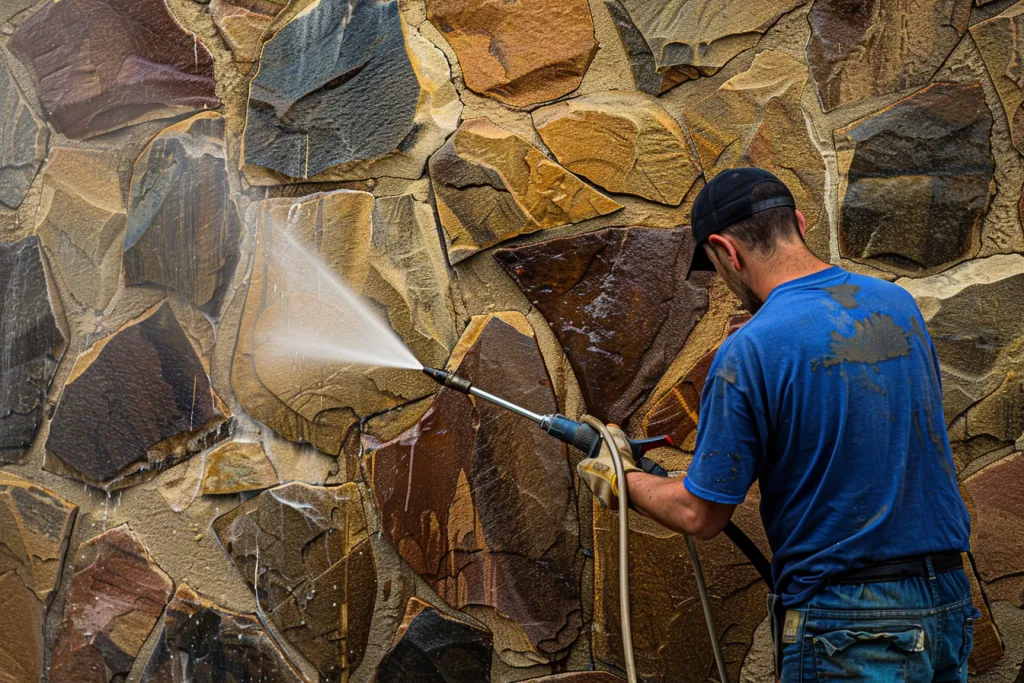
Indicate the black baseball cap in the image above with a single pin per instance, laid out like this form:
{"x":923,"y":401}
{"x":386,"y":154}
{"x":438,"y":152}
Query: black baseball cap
{"x":726,"y":200}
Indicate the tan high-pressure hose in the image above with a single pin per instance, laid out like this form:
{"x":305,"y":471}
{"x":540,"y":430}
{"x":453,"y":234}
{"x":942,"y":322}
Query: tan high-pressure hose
{"x":626,"y":623}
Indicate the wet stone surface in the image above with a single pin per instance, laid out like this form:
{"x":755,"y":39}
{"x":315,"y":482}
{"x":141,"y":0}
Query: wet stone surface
{"x":100,"y":65}
{"x":24,"y":137}
{"x":236,"y":466}
{"x":619,"y":303}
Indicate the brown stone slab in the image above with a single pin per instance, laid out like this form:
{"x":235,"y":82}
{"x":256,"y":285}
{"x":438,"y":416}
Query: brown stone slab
{"x":619,"y":303}
{"x":930,"y":154}
{"x":100,"y":65}
{"x":117,"y":594}
{"x":998,"y":515}
{"x":24,"y":139}
{"x":623,"y":141}
{"x":241,"y":23}
{"x":202,"y":641}
{"x":33,"y":335}
{"x":35,"y":526}
{"x":877,"y":47}
{"x":431,"y":647}
{"x":521,"y":53}
{"x":308,"y":550}
{"x":183,"y":228}
{"x":482,"y":505}
{"x":385,"y":250}
{"x":491,"y":185}
{"x":997,"y":42}
{"x":137,"y":402}
{"x":578,"y":677}
{"x":237,"y":466}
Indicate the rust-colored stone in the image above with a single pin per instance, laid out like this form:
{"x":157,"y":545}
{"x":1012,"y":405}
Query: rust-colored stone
{"x":100,"y":65}
{"x":930,"y":154}
{"x":431,"y":647}
{"x":202,"y":641}
{"x":520,"y":53}
{"x":308,"y":550}
{"x":117,"y":595}
{"x":481,"y":504}
{"x":866,"y":48}
{"x":23,"y":139}
{"x":623,"y":141}
{"x":387,"y":251}
{"x":620,"y":304}
{"x":34,"y":528}
{"x":183,"y":227}
{"x":137,"y":402}
{"x":237,"y":466}
{"x":998,"y":515}
{"x":491,"y":185}
{"x":33,"y":339}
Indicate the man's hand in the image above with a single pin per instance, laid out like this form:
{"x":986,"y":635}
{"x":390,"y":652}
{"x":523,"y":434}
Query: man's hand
{"x":599,"y":472}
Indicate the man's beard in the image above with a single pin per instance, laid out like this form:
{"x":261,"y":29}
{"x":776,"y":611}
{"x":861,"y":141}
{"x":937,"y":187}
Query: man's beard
{"x":750,"y":301}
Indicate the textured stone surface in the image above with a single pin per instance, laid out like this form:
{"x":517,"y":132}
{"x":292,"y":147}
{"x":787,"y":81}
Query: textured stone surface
{"x":491,"y":185}
{"x":756,"y":119}
{"x":100,"y":65}
{"x":342,"y":93}
{"x":433,"y":648}
{"x":673,"y":645}
{"x":579,"y":677}
{"x":675,"y":413}
{"x":34,"y":528}
{"x":988,"y":643}
{"x":876,"y":47}
{"x":32,"y":339}
{"x":183,"y":228}
{"x":687,"y":39}
{"x":623,"y":141}
{"x":481,"y":504}
{"x":386,"y":250}
{"x":916,"y":178}
{"x":136,"y":402}
{"x":236,"y":466}
{"x":646,"y":76}
{"x":241,"y":24}
{"x":520,"y":53}
{"x":202,"y":641}
{"x":117,"y":594}
{"x":81,"y":222}
{"x":308,"y":549}
{"x":24,"y":138}
{"x":1002,"y":52}
{"x":998,"y":515}
{"x":619,"y":304}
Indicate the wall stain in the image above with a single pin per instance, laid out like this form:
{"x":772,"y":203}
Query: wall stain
{"x":844,"y":294}
{"x":875,"y":339}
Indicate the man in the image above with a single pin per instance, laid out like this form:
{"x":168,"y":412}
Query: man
{"x":830,"y":398}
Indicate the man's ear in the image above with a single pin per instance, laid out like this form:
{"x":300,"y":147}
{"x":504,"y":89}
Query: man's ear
{"x":801,"y":222}
{"x":725,"y":244}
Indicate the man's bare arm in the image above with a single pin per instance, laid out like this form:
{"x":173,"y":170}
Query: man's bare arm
{"x":666,"y":501}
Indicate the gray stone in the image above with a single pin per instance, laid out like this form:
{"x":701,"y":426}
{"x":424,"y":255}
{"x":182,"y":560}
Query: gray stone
{"x":23,"y":141}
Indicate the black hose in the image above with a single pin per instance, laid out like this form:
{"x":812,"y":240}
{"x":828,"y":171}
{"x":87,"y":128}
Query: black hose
{"x":753,"y":553}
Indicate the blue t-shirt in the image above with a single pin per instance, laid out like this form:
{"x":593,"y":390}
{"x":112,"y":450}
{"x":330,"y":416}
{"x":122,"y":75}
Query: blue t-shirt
{"x":830,"y":397}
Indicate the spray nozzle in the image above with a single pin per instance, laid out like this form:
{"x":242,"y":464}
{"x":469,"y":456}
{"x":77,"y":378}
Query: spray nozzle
{"x":449,"y":379}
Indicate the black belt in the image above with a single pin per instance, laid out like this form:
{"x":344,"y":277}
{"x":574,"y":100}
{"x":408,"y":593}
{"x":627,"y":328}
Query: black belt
{"x":901,"y":568}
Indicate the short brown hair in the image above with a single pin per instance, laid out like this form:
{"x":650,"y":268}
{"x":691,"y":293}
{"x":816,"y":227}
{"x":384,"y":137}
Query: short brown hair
{"x":763,"y":231}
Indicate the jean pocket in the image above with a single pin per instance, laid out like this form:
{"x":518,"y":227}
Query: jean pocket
{"x":867,"y":654}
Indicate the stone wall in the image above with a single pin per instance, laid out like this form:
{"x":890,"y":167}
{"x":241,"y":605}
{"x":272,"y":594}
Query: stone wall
{"x":509,"y":184}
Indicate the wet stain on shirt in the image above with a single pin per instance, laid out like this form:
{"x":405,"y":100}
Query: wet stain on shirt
{"x":875,"y":339}
{"x":846,"y":295}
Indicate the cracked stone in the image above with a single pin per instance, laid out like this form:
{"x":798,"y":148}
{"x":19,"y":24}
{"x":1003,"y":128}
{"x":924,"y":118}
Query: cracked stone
{"x":877,"y":47}
{"x":202,"y":641}
{"x":117,"y":594}
{"x":386,"y":89}
{"x":35,"y":525}
{"x":33,"y":335}
{"x":387,"y":251}
{"x":619,"y":303}
{"x":241,"y":24}
{"x":183,"y":228}
{"x":137,"y":402}
{"x":931,"y":153}
{"x":101,"y":65}
{"x":622,"y":141}
{"x":491,"y":185}
{"x":482,"y":505}
{"x":1002,"y":53}
{"x":756,"y":119}
{"x":24,"y":138}
{"x":80,"y":222}
{"x":431,"y":647}
{"x":520,"y":53}
{"x":315,"y":577}
{"x":236,"y":466}
{"x":998,"y":515}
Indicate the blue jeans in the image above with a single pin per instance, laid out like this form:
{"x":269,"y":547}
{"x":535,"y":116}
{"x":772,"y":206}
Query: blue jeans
{"x":915,"y":629}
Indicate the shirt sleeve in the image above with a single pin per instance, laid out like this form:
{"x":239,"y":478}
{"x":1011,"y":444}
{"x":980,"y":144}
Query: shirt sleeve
{"x":730,"y":437}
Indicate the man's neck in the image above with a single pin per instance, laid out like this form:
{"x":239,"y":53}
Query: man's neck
{"x":790,"y":263}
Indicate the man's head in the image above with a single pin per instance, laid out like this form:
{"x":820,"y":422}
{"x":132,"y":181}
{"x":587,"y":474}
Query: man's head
{"x":745,"y":225}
